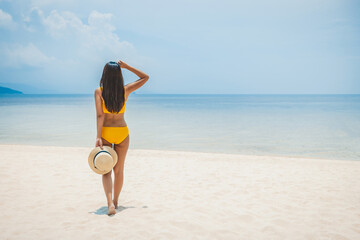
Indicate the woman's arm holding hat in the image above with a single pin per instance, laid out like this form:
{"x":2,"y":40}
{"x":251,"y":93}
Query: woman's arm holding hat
{"x":100,"y":116}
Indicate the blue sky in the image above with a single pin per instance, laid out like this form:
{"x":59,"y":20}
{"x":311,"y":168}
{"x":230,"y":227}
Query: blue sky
{"x":224,"y":47}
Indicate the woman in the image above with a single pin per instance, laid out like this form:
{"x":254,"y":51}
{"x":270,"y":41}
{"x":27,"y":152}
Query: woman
{"x":110,"y":102}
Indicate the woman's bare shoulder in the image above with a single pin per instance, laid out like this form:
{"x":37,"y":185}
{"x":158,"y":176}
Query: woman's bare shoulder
{"x":97,"y":92}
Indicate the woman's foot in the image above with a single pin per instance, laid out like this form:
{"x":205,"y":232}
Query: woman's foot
{"x":115,"y":204}
{"x":111,"y":210}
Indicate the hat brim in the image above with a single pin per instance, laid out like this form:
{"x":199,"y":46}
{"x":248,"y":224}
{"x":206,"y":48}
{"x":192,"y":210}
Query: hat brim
{"x":94,"y":151}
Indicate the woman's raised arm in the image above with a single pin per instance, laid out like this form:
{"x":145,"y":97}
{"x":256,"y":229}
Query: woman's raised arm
{"x":138,"y":83}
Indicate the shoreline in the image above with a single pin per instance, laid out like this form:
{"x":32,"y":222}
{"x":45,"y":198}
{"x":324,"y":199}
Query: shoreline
{"x":196,"y":152}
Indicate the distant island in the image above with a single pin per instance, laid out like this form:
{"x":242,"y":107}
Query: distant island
{"x":5,"y":90}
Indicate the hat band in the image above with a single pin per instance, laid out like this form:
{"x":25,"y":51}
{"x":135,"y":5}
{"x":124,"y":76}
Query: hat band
{"x":97,"y":154}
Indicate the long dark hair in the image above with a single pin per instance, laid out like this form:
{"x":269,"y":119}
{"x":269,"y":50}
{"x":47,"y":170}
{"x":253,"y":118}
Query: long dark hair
{"x":112,"y":82}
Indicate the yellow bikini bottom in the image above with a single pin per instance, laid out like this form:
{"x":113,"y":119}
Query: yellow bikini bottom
{"x":114,"y":134}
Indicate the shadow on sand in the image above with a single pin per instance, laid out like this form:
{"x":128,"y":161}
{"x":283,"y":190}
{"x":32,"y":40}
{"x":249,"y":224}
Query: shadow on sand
{"x":104,"y":210}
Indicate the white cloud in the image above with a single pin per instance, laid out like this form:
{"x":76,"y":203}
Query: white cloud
{"x":101,"y":21}
{"x":92,"y":42}
{"x":33,"y":19}
{"x":77,"y":44}
{"x":60,"y":25}
{"x":6,"y":20}
{"x":80,"y":47}
{"x":17,"y":55}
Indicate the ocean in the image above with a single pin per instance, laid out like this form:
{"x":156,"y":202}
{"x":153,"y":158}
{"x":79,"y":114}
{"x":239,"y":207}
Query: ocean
{"x":321,"y":126}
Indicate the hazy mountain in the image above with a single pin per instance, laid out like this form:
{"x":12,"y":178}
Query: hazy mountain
{"x":24,"y":88}
{"x":5,"y":90}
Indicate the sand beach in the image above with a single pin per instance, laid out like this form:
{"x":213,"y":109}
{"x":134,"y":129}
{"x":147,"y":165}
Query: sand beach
{"x":49,"y":192}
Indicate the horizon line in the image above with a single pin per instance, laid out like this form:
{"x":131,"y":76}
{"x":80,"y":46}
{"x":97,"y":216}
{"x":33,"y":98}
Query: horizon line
{"x":19,"y":94}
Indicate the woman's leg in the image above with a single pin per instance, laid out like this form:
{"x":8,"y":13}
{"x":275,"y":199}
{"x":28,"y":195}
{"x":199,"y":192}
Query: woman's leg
{"x":107,"y":183}
{"x":121,"y":150}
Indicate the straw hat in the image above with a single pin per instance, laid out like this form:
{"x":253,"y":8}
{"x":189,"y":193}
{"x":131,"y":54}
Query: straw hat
{"x":102,"y":161}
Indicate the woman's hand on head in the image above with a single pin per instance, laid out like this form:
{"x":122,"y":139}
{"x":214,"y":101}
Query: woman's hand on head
{"x":99,"y":143}
{"x":122,"y":64}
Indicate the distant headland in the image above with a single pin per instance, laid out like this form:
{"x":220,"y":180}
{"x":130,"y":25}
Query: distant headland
{"x":5,"y":90}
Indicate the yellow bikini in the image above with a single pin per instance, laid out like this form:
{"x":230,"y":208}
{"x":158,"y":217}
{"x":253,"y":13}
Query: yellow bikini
{"x":114,"y":134}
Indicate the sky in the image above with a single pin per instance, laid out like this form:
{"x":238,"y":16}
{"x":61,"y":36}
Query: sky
{"x":186,"y":47}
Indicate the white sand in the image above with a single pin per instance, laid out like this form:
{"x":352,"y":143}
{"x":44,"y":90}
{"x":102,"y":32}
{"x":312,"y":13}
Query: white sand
{"x":51,"y":193}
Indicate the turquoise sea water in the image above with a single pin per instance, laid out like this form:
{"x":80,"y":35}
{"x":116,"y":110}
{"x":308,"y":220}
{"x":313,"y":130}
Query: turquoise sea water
{"x":323,"y":126}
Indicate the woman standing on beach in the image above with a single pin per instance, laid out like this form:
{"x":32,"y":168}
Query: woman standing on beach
{"x":110,"y":102}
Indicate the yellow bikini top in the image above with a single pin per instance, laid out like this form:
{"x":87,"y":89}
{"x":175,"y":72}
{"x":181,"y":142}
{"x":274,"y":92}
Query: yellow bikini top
{"x":105,"y":109}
